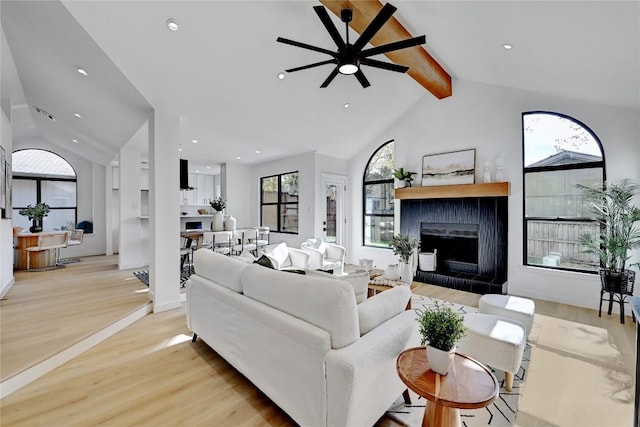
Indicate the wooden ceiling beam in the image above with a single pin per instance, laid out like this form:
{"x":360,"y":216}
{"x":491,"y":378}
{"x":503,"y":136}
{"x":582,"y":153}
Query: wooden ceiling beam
{"x":422,"y":67}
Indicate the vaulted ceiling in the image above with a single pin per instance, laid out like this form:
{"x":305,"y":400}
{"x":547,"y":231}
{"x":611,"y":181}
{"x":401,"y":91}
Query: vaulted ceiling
{"x":218,"y":72}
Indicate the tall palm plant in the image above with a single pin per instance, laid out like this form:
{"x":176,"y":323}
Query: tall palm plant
{"x":618,"y":216}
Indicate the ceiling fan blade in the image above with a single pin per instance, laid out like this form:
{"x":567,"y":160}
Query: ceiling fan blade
{"x":361,"y":78}
{"x":402,"y":44}
{"x":332,"y":76}
{"x":375,"y":25}
{"x":306,"y":46}
{"x":317,"y":64}
{"x":384,"y":65}
{"x":329,"y":25}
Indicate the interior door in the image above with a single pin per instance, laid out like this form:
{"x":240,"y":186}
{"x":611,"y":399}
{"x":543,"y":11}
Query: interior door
{"x":333,"y":208}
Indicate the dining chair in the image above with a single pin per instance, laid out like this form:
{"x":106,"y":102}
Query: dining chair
{"x":222,"y":241}
{"x":247,"y":238}
{"x":46,"y":242}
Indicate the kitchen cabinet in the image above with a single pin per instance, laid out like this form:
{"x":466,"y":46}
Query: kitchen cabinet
{"x":203,"y":190}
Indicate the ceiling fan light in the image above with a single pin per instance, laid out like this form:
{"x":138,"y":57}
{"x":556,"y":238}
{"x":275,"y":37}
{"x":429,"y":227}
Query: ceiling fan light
{"x":348,"y":68}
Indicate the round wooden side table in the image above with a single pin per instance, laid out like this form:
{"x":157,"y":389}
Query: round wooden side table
{"x":468,"y":385}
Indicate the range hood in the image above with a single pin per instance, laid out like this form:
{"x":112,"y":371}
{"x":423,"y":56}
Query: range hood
{"x":184,"y":175}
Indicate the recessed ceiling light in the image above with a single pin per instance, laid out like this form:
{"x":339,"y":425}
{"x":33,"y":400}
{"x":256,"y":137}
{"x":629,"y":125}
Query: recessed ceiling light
{"x":195,"y":141}
{"x":507,"y":46}
{"x":347,"y":105}
{"x":208,"y":167}
{"x":281,"y":76}
{"x":238,"y":158}
{"x":172,"y":24}
{"x":75,"y":140}
{"x":180,"y":149}
{"x":197,"y":171}
{"x":82,"y":71}
{"x":257,"y":151}
{"x":77,"y":115}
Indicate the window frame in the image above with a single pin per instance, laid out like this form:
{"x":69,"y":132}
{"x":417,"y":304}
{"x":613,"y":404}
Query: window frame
{"x":366,"y":215}
{"x":571,"y":166}
{"x":279,"y":203}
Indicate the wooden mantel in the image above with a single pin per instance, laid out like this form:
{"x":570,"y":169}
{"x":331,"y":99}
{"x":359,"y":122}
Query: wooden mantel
{"x":491,"y":189}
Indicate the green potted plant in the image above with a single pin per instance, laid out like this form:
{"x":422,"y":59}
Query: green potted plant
{"x":404,"y":246}
{"x":404,"y":177}
{"x":35,"y":214}
{"x":614,"y":209}
{"x":217,"y":221}
{"x":440,"y":329}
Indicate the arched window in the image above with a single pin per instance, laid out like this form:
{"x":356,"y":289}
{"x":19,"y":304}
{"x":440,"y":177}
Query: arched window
{"x":559,"y":152}
{"x":43,"y":176}
{"x":378,"y":198}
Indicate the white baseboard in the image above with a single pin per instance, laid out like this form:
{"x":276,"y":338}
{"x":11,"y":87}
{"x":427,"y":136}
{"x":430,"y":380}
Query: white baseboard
{"x":167,"y":306}
{"x":6,"y":288}
{"x":33,"y":373}
{"x":139,"y":264}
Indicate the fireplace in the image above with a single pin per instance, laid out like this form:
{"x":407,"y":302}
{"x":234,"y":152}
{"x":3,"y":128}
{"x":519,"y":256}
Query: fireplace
{"x":470,"y":235}
{"x":456,"y":246}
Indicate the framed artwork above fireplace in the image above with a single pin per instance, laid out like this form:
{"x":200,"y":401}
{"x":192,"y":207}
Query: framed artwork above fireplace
{"x":455,"y":167}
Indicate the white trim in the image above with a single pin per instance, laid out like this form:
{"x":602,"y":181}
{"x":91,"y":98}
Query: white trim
{"x":168,"y":306}
{"x":25,"y":377}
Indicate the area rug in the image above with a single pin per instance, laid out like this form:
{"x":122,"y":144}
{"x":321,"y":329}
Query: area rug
{"x":143,"y":275}
{"x":501,"y":413}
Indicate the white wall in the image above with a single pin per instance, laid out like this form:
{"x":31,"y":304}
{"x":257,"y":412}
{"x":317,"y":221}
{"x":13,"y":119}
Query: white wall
{"x":488,"y":118}
{"x":236,"y":181}
{"x":6,"y":225}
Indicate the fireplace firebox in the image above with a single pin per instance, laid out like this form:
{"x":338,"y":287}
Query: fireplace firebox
{"x":456,"y":246}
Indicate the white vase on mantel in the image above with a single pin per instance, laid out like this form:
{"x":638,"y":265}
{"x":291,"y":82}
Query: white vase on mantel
{"x":217,"y":221}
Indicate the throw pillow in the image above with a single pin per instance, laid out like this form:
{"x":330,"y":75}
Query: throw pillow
{"x":280,"y":254}
{"x":264,"y":261}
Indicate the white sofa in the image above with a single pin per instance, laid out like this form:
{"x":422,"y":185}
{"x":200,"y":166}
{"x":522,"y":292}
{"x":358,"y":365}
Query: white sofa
{"x":325,"y":256}
{"x":303,"y":340}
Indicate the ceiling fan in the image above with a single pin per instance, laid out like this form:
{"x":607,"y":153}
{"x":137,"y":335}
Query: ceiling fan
{"x":350,"y":57}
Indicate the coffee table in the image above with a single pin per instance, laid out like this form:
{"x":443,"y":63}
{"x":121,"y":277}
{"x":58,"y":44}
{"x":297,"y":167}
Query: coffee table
{"x":468,"y":385}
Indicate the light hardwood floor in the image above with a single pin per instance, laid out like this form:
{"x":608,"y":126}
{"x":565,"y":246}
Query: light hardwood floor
{"x":581,"y":373}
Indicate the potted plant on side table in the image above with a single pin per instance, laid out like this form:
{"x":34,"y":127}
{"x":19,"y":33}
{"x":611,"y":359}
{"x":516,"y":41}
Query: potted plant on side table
{"x":440,"y":329}
{"x":35,"y":215}
{"x":404,"y":246}
{"x":618,"y":217}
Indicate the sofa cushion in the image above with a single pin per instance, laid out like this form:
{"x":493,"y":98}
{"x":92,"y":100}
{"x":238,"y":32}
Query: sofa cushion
{"x":382,"y":307}
{"x":327,"y":304}
{"x":279,"y":255}
{"x":219,"y":268}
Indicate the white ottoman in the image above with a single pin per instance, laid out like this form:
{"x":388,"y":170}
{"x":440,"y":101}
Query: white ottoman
{"x":517,"y":308}
{"x":495,"y":341}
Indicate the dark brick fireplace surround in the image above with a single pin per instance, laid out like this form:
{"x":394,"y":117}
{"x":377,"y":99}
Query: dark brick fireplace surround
{"x":458,"y":226}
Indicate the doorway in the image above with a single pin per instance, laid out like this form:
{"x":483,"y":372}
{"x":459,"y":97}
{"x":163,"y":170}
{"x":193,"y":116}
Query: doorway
{"x":333,"y":208}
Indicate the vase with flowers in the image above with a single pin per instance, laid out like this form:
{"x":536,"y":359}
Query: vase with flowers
{"x":217,"y":221}
{"x":35,"y":215}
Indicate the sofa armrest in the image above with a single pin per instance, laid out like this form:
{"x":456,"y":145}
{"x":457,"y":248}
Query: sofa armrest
{"x":362,"y":381}
{"x":334,"y":251}
{"x":299,"y":258}
{"x":381,"y":307}
{"x":316,"y":258}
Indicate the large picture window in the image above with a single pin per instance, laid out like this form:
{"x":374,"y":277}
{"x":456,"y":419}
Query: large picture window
{"x":378,"y":198}
{"x":279,"y":202}
{"x":559,"y":153}
{"x":42,"y":176}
